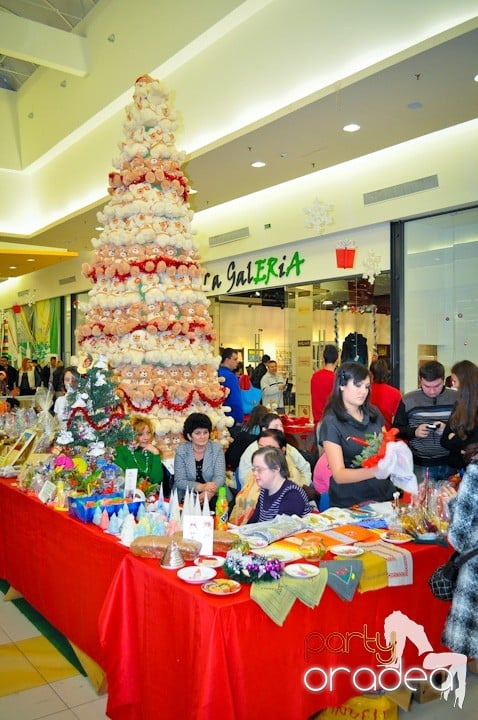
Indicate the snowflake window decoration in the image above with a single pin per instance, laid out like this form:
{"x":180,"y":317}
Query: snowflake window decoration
{"x":318,"y":216}
{"x":371,"y":266}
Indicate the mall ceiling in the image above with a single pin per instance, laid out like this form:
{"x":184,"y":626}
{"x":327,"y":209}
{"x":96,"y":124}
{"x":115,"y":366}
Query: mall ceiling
{"x":412,"y":97}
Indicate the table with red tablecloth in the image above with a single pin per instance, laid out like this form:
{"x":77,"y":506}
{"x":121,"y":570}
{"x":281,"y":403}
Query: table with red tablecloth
{"x":300,"y":433}
{"x":62,"y":567}
{"x":172,"y":651}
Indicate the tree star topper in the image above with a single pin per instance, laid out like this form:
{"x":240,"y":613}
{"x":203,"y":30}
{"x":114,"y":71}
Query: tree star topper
{"x":318,"y":216}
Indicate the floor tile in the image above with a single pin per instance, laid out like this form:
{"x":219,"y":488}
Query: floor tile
{"x":75,"y":690}
{"x":16,"y":672}
{"x":16,"y":625}
{"x":46,"y":659}
{"x":62,"y":715}
{"x":95,"y":710}
{"x":4,"y":639}
{"x":31,"y":704}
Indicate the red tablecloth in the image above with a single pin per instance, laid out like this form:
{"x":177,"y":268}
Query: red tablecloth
{"x":174,"y":652}
{"x":61,"y":566}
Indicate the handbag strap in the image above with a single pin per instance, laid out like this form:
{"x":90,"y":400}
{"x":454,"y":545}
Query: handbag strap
{"x":466,"y":556}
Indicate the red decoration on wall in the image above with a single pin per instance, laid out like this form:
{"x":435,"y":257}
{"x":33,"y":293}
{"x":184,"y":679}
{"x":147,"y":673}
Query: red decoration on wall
{"x":345,"y":257}
{"x":17,"y":309}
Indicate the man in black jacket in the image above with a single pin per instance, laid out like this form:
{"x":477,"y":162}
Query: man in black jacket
{"x":259,"y":372}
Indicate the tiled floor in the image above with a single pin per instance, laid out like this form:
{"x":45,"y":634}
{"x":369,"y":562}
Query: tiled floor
{"x":36,"y":681}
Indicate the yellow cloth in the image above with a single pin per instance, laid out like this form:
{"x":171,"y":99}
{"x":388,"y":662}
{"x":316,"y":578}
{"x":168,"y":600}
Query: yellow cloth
{"x":277,"y":597}
{"x":374,"y":575}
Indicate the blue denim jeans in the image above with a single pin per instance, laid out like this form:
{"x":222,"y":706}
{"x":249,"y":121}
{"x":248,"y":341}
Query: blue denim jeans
{"x":435,"y":473}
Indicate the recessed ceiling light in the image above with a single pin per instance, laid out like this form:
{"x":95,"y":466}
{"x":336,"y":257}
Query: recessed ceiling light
{"x":193,"y":191}
{"x":12,"y":267}
{"x":327,"y":302}
{"x":351,"y":127}
{"x":30,"y":259}
{"x":258,"y":164}
{"x":417,"y":105}
{"x":476,"y":78}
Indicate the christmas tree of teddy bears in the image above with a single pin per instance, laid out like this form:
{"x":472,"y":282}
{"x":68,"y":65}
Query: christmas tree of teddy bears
{"x":148,"y":314}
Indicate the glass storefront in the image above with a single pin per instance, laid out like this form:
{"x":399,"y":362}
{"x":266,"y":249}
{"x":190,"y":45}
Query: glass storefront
{"x":440,"y":292}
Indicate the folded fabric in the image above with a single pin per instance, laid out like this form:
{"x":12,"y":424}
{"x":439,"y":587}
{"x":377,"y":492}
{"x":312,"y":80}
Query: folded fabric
{"x":374,"y":575}
{"x":277,"y":598}
{"x":399,"y":561}
{"x":270,"y":530}
{"x":343,"y":576}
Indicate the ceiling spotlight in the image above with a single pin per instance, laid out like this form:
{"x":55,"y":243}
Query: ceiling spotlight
{"x":63,"y":83}
{"x":192,"y":191}
{"x":31,"y":115}
{"x":327,"y":302}
{"x":351,"y":127}
{"x":258,"y":164}
{"x":12,"y":267}
{"x":476,"y":78}
{"x":111,"y":38}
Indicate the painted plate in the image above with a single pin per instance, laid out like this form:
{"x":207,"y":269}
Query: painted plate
{"x":196,"y":575}
{"x":302,"y":570}
{"x":212,"y":561}
{"x":346,"y":550}
{"x":221,"y":587}
{"x":396,"y":538}
{"x":283,"y":556}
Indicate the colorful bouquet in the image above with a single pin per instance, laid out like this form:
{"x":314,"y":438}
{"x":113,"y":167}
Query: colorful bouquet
{"x":251,"y":568}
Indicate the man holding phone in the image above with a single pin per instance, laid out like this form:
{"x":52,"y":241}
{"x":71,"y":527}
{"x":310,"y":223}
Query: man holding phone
{"x":421,"y":417}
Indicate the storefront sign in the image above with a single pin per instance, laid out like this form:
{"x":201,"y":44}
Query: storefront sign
{"x":262,"y":271}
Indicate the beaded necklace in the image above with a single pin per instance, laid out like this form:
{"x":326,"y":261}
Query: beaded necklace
{"x":145,"y":454}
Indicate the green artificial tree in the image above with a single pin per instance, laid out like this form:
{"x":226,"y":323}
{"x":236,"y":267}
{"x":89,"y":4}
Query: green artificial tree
{"x":96,"y":420}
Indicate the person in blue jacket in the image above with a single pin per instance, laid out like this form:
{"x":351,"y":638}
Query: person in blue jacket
{"x":229,"y":379}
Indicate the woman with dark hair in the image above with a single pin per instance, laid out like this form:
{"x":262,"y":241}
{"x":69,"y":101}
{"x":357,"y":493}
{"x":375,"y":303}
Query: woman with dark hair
{"x":278,"y":495}
{"x":199,"y":463}
{"x":348,"y":417}
{"x":462,"y":426}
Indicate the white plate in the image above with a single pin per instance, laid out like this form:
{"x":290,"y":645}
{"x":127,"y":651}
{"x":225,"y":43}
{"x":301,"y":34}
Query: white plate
{"x":221,"y":587}
{"x":212,"y":561}
{"x":196,"y":575}
{"x":396,"y":538}
{"x":282,"y":555}
{"x":302,"y":570}
{"x":346,"y":550}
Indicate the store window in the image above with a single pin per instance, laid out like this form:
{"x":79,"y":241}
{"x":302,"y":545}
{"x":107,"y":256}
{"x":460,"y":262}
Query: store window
{"x":293,"y":324}
{"x":440,"y":295}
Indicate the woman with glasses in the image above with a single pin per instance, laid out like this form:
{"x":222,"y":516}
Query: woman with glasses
{"x":277,"y":495}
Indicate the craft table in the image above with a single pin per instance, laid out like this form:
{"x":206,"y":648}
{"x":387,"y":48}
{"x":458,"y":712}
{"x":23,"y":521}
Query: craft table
{"x":61,"y":566}
{"x":170,"y":650}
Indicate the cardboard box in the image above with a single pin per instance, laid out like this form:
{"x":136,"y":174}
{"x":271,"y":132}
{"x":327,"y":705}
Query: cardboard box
{"x":425,"y":692}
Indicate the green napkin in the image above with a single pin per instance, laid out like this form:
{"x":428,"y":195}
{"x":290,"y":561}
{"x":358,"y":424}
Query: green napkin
{"x":307,"y":590}
{"x":276,"y":598}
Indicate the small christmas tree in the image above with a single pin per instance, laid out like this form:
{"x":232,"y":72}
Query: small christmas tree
{"x":97,"y":419}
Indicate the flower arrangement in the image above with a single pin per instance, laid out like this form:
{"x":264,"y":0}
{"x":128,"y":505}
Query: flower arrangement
{"x":251,"y":568}
{"x":374,"y":447}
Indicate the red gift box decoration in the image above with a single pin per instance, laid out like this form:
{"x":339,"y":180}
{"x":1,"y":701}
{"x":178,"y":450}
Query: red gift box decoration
{"x":345,"y":257}
{"x":17,"y":309}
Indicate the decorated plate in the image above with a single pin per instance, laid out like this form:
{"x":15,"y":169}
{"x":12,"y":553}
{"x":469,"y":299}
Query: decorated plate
{"x":221,"y":587}
{"x":302,"y":570}
{"x":396,"y":538}
{"x":211,"y":561}
{"x":346,"y":550}
{"x":196,"y":575}
{"x":316,"y":521}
